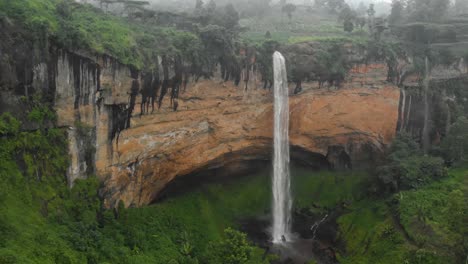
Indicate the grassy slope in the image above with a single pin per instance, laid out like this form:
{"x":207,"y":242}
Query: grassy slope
{"x":202,"y":214}
{"x":326,"y":189}
{"x":436,"y":216}
{"x":77,"y":26}
{"x":313,"y":25}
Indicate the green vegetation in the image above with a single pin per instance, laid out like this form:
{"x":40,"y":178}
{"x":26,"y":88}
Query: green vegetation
{"x":354,"y":39}
{"x":425,"y":225}
{"x":38,"y":16}
{"x":32,"y":180}
{"x":288,"y":23}
{"x":42,"y":221}
{"x":419,"y":216}
{"x":455,"y":145}
{"x":408,"y":168}
{"x":370,"y":235}
{"x":287,"y":36}
{"x":83,"y":27}
{"x":435,"y":216}
{"x":412,"y":209}
{"x":308,"y":187}
{"x":234,"y":249}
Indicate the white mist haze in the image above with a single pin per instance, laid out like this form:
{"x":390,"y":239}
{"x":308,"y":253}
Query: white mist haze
{"x":381,"y":6}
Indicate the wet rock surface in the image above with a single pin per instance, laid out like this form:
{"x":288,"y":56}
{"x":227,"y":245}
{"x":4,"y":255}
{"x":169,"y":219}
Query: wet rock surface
{"x":316,"y":237}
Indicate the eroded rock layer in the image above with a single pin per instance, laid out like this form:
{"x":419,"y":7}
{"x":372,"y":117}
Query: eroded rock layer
{"x":97,"y":100}
{"x":218,"y":125}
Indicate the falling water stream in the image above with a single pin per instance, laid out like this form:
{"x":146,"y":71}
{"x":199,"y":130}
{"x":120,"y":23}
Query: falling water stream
{"x":426,"y":128}
{"x":281,"y":184}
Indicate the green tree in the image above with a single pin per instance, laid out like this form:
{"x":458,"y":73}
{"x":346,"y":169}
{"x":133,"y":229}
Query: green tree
{"x":233,"y":249}
{"x":427,"y":10}
{"x":84,"y":200}
{"x":417,"y":171}
{"x":9,"y":126}
{"x":371,"y":11}
{"x":231,"y":17}
{"x":455,"y":144}
{"x":265,"y":61}
{"x":348,"y":26}
{"x":439,"y":8}
{"x":348,"y":16}
{"x":334,"y":6}
{"x":361,"y":22}
{"x":289,"y":9}
{"x":396,"y":15}
{"x":211,"y":6}
{"x":378,"y":27}
{"x":407,"y":168}
{"x":371,"y":19}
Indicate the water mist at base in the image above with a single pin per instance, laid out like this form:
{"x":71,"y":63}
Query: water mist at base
{"x":281,"y":184}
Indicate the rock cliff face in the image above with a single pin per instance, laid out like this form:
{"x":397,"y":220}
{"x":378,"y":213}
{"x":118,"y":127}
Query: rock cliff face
{"x":217,"y":124}
{"x":447,"y":86}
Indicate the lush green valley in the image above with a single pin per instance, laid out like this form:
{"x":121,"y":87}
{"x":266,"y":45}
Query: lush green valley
{"x":42,"y":221}
{"x":409,"y":204}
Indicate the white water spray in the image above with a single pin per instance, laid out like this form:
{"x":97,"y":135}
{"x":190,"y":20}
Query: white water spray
{"x":282,"y":201}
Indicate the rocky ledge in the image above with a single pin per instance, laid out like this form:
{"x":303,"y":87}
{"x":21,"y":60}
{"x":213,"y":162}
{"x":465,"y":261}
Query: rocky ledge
{"x":218,"y":125}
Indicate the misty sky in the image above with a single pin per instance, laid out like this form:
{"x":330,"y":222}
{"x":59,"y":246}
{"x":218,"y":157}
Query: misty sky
{"x":274,"y":1}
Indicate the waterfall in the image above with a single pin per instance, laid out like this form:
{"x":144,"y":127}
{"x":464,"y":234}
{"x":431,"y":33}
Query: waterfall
{"x":402,"y":116}
{"x":316,"y":225}
{"x":449,"y":114}
{"x":425,"y":132}
{"x":408,"y":112}
{"x":282,"y":202}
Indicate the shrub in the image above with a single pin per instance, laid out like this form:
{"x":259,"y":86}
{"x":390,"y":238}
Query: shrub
{"x":233,"y":249}
{"x":7,"y":231}
{"x":84,"y":202}
{"x":8,"y":259}
{"x":407,"y":168}
{"x":8,"y":125}
{"x":423,"y":256}
{"x":420,"y":170}
{"x":455,"y":145}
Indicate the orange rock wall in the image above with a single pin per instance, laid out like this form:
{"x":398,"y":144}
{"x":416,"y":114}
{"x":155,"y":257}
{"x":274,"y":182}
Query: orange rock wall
{"x":218,"y":125}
